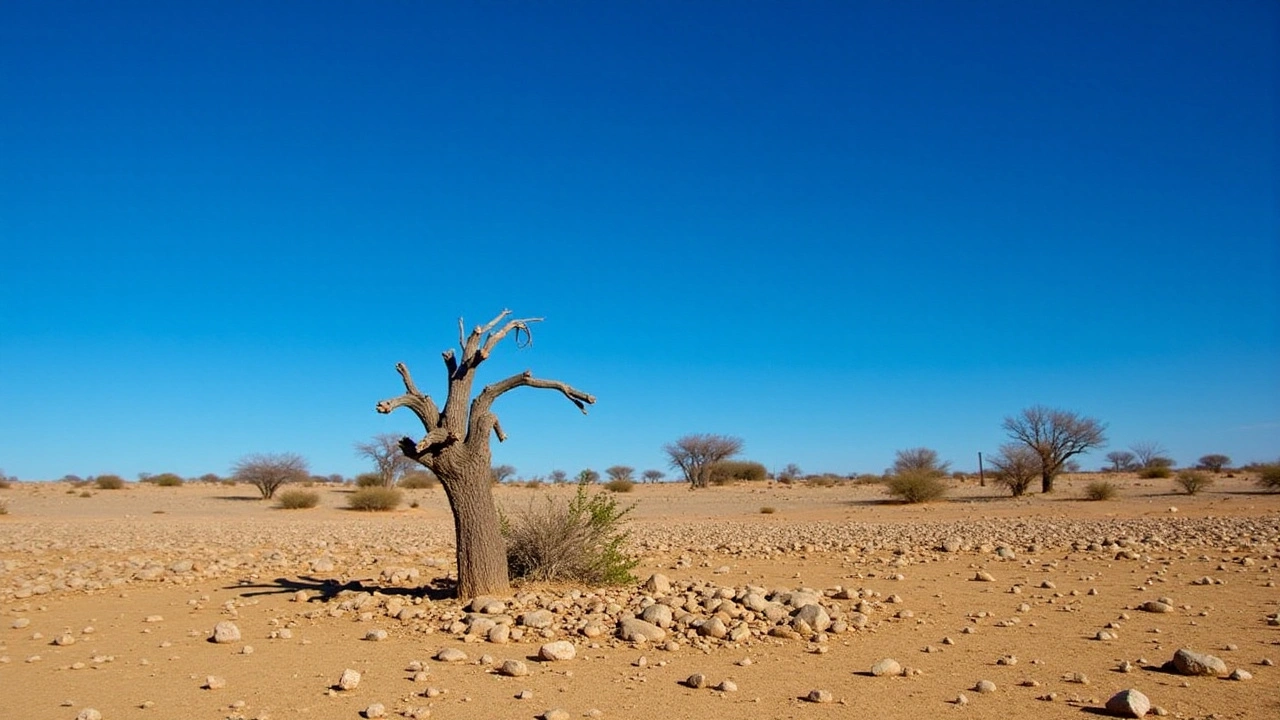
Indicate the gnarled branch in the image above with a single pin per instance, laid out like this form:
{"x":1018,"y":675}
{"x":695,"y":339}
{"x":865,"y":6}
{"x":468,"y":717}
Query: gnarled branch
{"x":480,"y":406}
{"x":421,"y":405}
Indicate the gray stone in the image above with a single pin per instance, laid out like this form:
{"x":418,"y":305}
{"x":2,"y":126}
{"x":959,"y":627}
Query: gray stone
{"x":226,"y":632}
{"x":538,"y":619}
{"x":557,"y":651}
{"x":350,"y":680}
{"x":815,"y":616}
{"x":513,"y":668}
{"x":821,"y":697}
{"x":1129,"y":704}
{"x":886,"y":667}
{"x":636,"y":630}
{"x":451,"y":655}
{"x":1190,"y":662}
{"x":1155,"y":606}
{"x":658,"y":584}
{"x":658,"y":614}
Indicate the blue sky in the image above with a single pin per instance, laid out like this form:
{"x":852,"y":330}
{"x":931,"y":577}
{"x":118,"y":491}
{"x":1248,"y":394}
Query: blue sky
{"x":832,"y":229}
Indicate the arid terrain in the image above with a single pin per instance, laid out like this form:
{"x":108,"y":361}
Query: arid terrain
{"x":110,"y":602}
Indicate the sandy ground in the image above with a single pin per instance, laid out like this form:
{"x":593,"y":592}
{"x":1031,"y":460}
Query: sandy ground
{"x":109,"y":602}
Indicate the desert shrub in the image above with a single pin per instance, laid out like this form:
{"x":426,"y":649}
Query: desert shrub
{"x":1155,"y":472}
{"x":1016,"y":467}
{"x":269,"y":472}
{"x":209,"y":478}
{"x":580,"y":540}
{"x":85,"y":493}
{"x":164,"y":480}
{"x":919,"y":460}
{"x":4,"y":507}
{"x":375,"y":499}
{"x":295,"y":499}
{"x":368,"y":480}
{"x":768,"y":510}
{"x":5,"y":484}
{"x":620,"y":485}
{"x":109,"y":482}
{"x":868,"y":479}
{"x":1100,"y":490}
{"x":534,"y":484}
{"x":1215,"y":462}
{"x":917,"y":486}
{"x":1269,"y":476}
{"x":821,"y":481}
{"x":726,"y":472}
{"x":418,"y":480}
{"x":1193,"y":481}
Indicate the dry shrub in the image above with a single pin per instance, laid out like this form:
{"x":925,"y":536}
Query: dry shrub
{"x":5,"y":484}
{"x":367,"y":480}
{"x":4,"y":507}
{"x":109,"y":482}
{"x":620,"y":485}
{"x":917,"y":487}
{"x":375,"y":499}
{"x":1193,"y":481}
{"x":580,"y":540}
{"x":1155,"y":472}
{"x":768,"y":510}
{"x":294,"y":499}
{"x":418,"y":480}
{"x":534,"y":484}
{"x":1100,"y":490}
{"x":85,"y":493}
{"x":1269,"y":476}
{"x":821,"y":481}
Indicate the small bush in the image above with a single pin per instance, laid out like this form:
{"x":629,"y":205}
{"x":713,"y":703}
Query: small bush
{"x":1100,"y":490}
{"x":375,"y":499}
{"x":4,"y":507}
{"x":580,"y":540}
{"x":165,"y":480}
{"x":768,"y":510}
{"x":1193,"y":481}
{"x":109,"y":482}
{"x":726,"y":472}
{"x":917,"y":487}
{"x":5,"y":484}
{"x":534,"y":484}
{"x":294,"y":499}
{"x":620,"y":485}
{"x":85,"y":493}
{"x":418,"y":480}
{"x":1269,"y":476}
{"x":1155,"y":472}
{"x":820,"y":481}
{"x":367,"y":480}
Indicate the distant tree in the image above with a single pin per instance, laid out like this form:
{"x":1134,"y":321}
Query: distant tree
{"x":501,"y":473}
{"x":165,"y":480}
{"x":694,"y":455}
{"x":268,"y":472}
{"x":620,"y":472}
{"x":73,"y":479}
{"x":726,"y":472}
{"x":388,"y":460}
{"x":588,"y":476}
{"x":1122,"y":460}
{"x":1056,"y":436}
{"x":653,"y":476}
{"x":1150,"y":454}
{"x":336,"y":478}
{"x":1214,"y":463}
{"x":558,"y":477}
{"x":919,"y":460}
{"x":1016,"y":467}
{"x":210,"y":478}
{"x":790,"y":473}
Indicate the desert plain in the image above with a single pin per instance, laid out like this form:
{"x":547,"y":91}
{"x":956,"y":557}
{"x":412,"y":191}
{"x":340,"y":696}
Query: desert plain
{"x":988,"y":606}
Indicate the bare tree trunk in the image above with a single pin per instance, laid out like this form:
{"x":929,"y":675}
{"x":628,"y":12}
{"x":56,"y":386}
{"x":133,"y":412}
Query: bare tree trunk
{"x":481,"y":551}
{"x":1046,"y":481}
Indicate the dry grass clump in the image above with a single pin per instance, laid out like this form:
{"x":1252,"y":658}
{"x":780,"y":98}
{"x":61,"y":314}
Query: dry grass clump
{"x":375,"y":499}
{"x":620,"y":485}
{"x":1269,"y":477}
{"x":768,"y":510}
{"x":4,"y":507}
{"x":5,"y":484}
{"x":1100,"y":490}
{"x":1193,"y":481}
{"x":917,"y":487}
{"x":109,"y":482}
{"x":418,"y":480}
{"x":1155,"y":472}
{"x":295,"y":499}
{"x":821,"y":481}
{"x":579,"y":541}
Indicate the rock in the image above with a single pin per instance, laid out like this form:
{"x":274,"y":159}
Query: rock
{"x":450,"y":655}
{"x":376,"y":635}
{"x":820,"y":696}
{"x":1129,"y":704}
{"x":658,"y":584}
{"x":713,"y":627}
{"x":555,"y":714}
{"x":814,"y":615}
{"x":952,"y":544}
{"x":1155,"y":606}
{"x":89,"y":714}
{"x":487,"y":604}
{"x":657,"y":614}
{"x":632,"y":629}
{"x":985,"y":686}
{"x":226,"y":632}
{"x":499,"y":634}
{"x":513,"y":668}
{"x":886,"y":667}
{"x":376,"y":710}
{"x":696,"y":681}
{"x":1189,"y":662}
{"x":984,"y":576}
{"x":727,"y":686}
{"x":213,"y":682}
{"x":538,"y":619}
{"x":350,"y":680}
{"x":557,"y":651}
{"x":1240,"y":674}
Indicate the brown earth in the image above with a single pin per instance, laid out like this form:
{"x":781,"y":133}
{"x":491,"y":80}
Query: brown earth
{"x":137,"y":578}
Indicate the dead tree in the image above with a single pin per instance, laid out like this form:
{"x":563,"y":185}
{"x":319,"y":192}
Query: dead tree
{"x":456,"y":447}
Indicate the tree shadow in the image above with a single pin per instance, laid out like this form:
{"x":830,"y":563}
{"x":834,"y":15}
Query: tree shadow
{"x":325,"y":590}
{"x":239,"y":498}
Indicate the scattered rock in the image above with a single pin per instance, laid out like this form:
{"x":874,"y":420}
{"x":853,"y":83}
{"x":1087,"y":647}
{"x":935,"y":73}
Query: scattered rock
{"x":821,"y":697}
{"x":513,"y":668}
{"x":226,"y":632}
{"x":886,"y":667}
{"x":350,"y":680}
{"x":375,"y":710}
{"x":450,"y":655}
{"x":1129,"y":704}
{"x":1240,"y":674}
{"x":1190,"y":662}
{"x":557,"y":651}
{"x":985,"y":686}
{"x":696,"y":681}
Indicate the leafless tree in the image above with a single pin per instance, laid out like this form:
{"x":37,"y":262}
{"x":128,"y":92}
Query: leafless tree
{"x":501,"y":473}
{"x":1150,"y":454}
{"x":1122,"y":460}
{"x":269,"y":472}
{"x":653,"y":476}
{"x":1214,"y":463}
{"x":620,"y":472}
{"x":456,"y":446}
{"x":919,"y":459}
{"x":389,"y":461}
{"x":558,"y":477}
{"x":694,"y":455}
{"x":588,"y":476}
{"x":1056,"y":436}
{"x":1016,"y":467}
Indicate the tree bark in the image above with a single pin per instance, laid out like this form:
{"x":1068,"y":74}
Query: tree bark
{"x":456,"y":448}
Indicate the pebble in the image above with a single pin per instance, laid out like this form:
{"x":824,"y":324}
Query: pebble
{"x":376,"y":635}
{"x":886,"y":667}
{"x":450,"y":655}
{"x":985,"y":686}
{"x":821,"y":697}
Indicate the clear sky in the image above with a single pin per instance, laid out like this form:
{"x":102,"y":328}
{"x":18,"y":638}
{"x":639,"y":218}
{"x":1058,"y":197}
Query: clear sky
{"x":833,"y":229}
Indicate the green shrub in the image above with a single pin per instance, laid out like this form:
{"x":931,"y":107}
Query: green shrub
{"x":295,"y":499}
{"x":375,"y":499}
{"x":726,"y":472}
{"x":1100,"y":490}
{"x":163,"y":480}
{"x":579,"y":541}
{"x":768,"y":510}
{"x":418,"y":480}
{"x":620,"y":485}
{"x":1155,"y":472}
{"x":1269,"y":476}
{"x":109,"y":482}
{"x":1193,"y":481}
{"x":917,"y":486}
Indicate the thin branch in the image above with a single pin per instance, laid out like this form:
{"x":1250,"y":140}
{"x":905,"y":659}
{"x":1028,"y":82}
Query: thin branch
{"x":450,"y":362}
{"x":421,"y":405}
{"x":497,"y":429}
{"x":494,"y":338}
{"x":480,"y":406}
